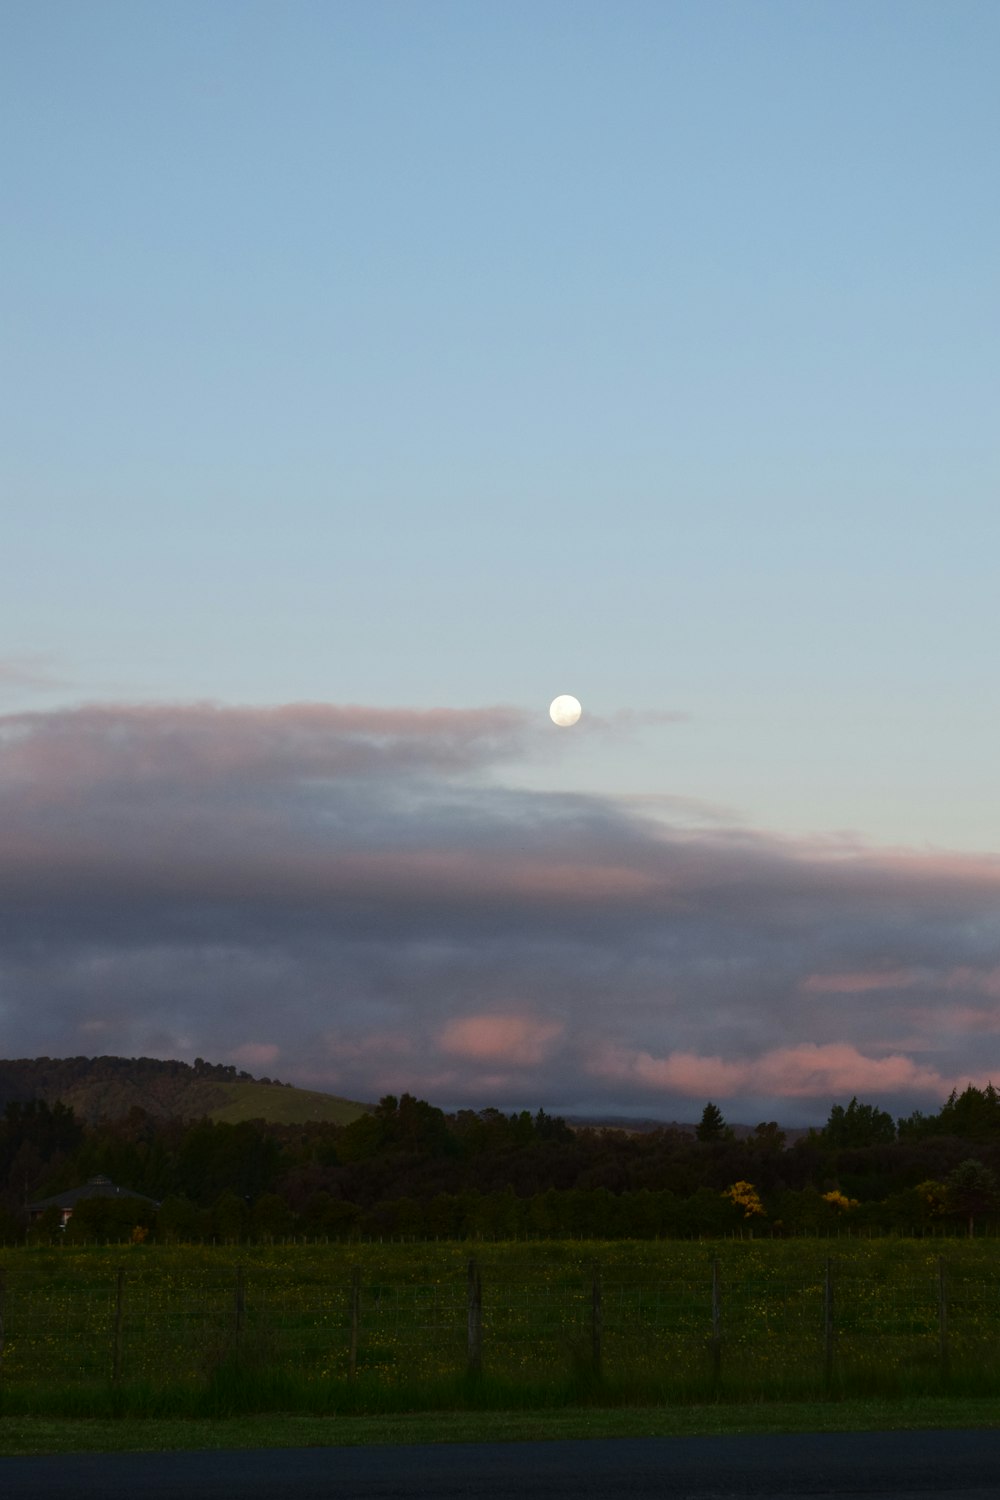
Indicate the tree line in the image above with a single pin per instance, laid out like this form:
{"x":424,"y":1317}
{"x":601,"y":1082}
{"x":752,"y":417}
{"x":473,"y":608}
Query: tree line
{"x":408,"y":1169}
{"x":107,"y":1087}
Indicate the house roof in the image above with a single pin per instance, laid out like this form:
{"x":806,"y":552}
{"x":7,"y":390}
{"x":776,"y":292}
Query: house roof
{"x":95,"y":1187}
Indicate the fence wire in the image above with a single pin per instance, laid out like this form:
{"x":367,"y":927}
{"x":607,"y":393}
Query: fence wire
{"x":182,"y":1328}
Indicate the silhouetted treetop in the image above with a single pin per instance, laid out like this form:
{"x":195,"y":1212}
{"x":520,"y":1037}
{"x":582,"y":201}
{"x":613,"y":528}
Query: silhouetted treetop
{"x":711,"y":1126}
{"x":858,"y":1125}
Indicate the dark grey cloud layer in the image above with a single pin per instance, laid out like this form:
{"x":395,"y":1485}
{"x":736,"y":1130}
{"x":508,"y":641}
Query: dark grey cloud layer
{"x":352,"y":898}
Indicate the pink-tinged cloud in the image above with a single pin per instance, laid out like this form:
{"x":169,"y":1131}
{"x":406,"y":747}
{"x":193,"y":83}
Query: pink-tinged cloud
{"x":360,"y":886}
{"x":975,"y":981}
{"x":962,"y":871}
{"x":859,"y":983}
{"x":966,"y":1018}
{"x":512,"y":1039}
{"x":958,"y":1020}
{"x":33,"y":671}
{"x":804,"y":1071}
{"x":73,"y":750}
{"x":256,"y":1054}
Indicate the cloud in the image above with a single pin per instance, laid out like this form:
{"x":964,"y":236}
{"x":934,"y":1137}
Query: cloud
{"x":256,"y":1054}
{"x":363,"y":888}
{"x":32,"y":671}
{"x":802,"y":1072}
{"x":638,"y":718}
{"x":196,"y":745}
{"x":858,"y":984}
{"x":512,"y":1039}
{"x":974,"y":981}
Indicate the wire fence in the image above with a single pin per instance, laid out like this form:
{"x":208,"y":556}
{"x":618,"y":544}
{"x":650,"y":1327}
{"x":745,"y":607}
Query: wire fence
{"x":826,"y":1323}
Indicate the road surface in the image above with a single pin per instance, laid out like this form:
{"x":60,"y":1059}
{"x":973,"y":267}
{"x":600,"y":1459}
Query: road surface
{"x":875,"y":1465}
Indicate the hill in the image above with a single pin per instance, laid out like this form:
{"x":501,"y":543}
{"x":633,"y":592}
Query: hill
{"x":281,"y":1104}
{"x":106,"y":1088}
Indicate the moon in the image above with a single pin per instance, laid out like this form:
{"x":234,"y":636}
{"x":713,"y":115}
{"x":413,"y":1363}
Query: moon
{"x":565,"y":710}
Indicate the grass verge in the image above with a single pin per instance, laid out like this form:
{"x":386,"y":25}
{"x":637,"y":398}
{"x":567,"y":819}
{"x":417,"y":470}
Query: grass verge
{"x":28,"y":1435}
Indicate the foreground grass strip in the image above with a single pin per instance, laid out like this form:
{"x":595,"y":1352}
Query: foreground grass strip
{"x":25,"y":1435}
{"x":910,"y":1318}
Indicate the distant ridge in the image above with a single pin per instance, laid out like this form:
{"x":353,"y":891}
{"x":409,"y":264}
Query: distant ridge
{"x":792,"y":1133}
{"x":107,"y":1088}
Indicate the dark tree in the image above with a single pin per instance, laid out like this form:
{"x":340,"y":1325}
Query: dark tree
{"x":858,"y":1125}
{"x":768,"y":1137}
{"x":974,"y":1115}
{"x":970,"y":1189}
{"x":711,"y":1127}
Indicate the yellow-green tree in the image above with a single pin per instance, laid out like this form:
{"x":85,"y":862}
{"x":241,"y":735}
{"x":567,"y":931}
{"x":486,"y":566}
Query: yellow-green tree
{"x":839,"y":1200}
{"x":744,"y":1195}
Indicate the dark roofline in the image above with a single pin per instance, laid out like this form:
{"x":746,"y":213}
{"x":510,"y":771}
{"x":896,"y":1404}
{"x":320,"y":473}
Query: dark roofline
{"x":97,"y":1187}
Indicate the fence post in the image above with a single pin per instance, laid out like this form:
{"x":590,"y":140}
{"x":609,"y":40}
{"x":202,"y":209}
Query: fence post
{"x":943,"y":1319}
{"x":828,"y":1324}
{"x":475,"y":1312}
{"x":716,"y":1321}
{"x":596,"y":1320}
{"x":3,"y":1289}
{"x":116,"y":1353}
{"x":240,"y":1306}
{"x":352,"y":1365}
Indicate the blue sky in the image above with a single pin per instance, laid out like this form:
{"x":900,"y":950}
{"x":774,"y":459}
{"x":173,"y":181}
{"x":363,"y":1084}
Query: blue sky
{"x":452,"y":356}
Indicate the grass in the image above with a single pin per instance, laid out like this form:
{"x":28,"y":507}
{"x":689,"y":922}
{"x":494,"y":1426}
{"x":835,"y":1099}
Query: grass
{"x":26,"y":1435}
{"x":248,"y":1099}
{"x":183,"y":1352}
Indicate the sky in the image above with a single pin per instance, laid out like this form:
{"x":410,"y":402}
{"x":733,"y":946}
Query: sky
{"x":374,"y":372}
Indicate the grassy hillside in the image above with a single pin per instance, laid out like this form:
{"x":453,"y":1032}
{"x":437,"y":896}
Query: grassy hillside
{"x":107,"y":1088}
{"x":281,"y":1105}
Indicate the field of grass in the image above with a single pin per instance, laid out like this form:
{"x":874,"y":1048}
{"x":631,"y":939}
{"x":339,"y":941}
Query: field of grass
{"x":248,"y":1099}
{"x":22,"y":1435}
{"x":216,"y":1331}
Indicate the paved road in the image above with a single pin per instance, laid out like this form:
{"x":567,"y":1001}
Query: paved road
{"x":874,"y":1465}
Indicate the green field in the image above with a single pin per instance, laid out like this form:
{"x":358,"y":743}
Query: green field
{"x":287,"y":1430}
{"x":203,"y":1330}
{"x":248,"y":1099}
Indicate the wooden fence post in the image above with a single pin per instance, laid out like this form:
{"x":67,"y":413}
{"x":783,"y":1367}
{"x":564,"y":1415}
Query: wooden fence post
{"x":943,"y":1319}
{"x":596,"y":1320}
{"x":3,"y":1289}
{"x":716,"y":1321}
{"x":116,"y":1352}
{"x":475,"y":1319}
{"x":828,"y":1324}
{"x":240,"y":1306}
{"x":352,"y":1364}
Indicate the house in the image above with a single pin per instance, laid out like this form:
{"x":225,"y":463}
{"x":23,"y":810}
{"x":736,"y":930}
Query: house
{"x":95,"y":1187}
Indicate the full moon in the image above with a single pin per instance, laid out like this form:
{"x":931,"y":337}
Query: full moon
{"x":565,"y":710}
